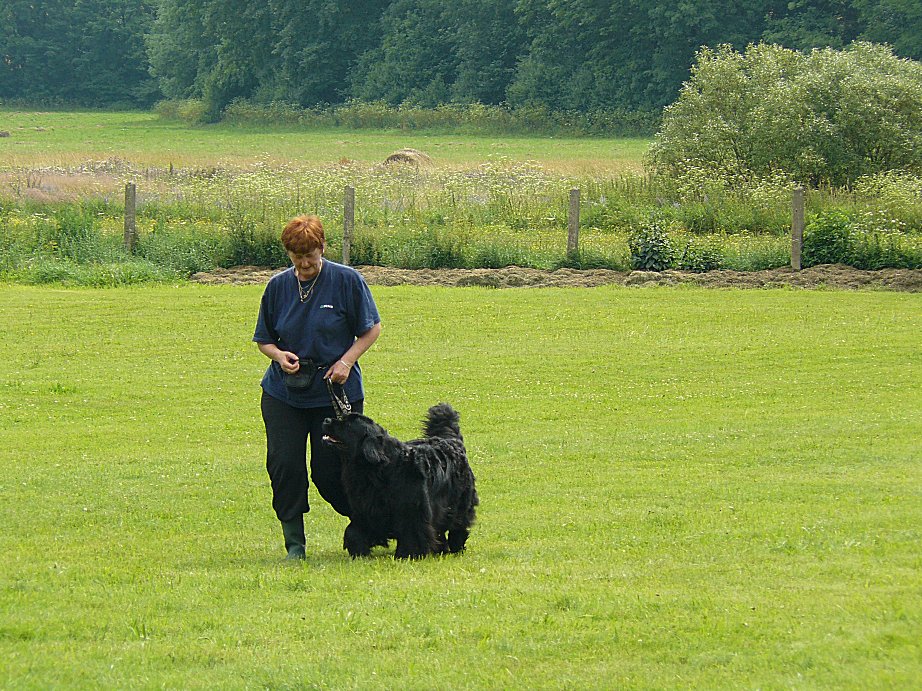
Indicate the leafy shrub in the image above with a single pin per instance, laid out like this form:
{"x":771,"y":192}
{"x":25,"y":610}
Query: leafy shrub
{"x":702,"y":254}
{"x":14,"y":247}
{"x":188,"y":110}
{"x":47,"y":271}
{"x":827,"y":239}
{"x":276,"y":112}
{"x":364,"y":251}
{"x":251,"y":244}
{"x":496,"y":256}
{"x":73,"y":232}
{"x":748,"y":252}
{"x":122,"y":273}
{"x":826,"y":116}
{"x":896,"y":194}
{"x":184,"y":250}
{"x":502,"y":213}
{"x":360,"y":115}
{"x":867,"y":242}
{"x":441,"y":250}
{"x":650,"y":246}
{"x":879,"y":249}
{"x":705,"y":200}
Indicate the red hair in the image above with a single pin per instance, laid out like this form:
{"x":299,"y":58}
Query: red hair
{"x":303,"y":235}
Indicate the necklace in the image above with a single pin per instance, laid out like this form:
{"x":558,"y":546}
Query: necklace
{"x":307,"y":293}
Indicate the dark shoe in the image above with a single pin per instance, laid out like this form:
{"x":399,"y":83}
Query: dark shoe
{"x":295,"y":553}
{"x":293,"y":531}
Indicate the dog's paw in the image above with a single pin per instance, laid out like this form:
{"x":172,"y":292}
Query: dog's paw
{"x":404,"y":552}
{"x":356,"y":542}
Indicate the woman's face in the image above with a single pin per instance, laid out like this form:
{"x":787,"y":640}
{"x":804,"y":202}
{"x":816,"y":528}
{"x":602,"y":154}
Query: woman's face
{"x":307,"y":265}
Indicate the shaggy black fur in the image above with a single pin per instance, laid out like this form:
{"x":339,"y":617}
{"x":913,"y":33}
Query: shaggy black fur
{"x":413,"y":491}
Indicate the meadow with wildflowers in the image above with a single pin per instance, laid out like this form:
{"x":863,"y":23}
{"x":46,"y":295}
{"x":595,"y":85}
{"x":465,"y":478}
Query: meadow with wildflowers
{"x":483,"y":203}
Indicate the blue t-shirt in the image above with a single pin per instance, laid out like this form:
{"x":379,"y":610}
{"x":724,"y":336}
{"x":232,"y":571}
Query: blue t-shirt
{"x":323,"y":328}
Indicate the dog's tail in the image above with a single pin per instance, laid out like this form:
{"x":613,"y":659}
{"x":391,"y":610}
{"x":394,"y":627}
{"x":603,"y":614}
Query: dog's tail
{"x":442,"y":422}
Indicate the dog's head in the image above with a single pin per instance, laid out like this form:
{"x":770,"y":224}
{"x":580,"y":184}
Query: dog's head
{"x":358,"y":437}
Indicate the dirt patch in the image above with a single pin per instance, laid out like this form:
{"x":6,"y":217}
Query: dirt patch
{"x":831,"y":276}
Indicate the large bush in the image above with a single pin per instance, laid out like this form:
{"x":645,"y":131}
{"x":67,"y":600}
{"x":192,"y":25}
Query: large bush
{"x":823,"y":117}
{"x":870,"y":241}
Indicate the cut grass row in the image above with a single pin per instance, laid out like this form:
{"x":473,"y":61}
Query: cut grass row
{"x":680,"y":487}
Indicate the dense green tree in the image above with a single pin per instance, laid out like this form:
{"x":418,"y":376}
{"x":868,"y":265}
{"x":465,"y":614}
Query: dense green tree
{"x":317,"y":45}
{"x":111,"y":61}
{"x":805,"y":24}
{"x":432,"y":53}
{"x":220,"y":50}
{"x":245,"y":60}
{"x":280,"y":50}
{"x":182,"y":53}
{"x":487,"y":44}
{"x":580,"y":55}
{"x":680,"y":29}
{"x":827,"y":116}
{"x":32,"y":65}
{"x":88,"y":52}
{"x":548,"y":70}
{"x":897,"y":22}
{"x":587,"y":54}
{"x":415,"y":61}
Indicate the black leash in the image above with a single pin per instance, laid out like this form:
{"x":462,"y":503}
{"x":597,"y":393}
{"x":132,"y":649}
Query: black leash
{"x":341,"y":405}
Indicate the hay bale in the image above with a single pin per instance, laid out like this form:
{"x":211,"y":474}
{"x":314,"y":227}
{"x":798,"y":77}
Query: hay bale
{"x":410,"y":156}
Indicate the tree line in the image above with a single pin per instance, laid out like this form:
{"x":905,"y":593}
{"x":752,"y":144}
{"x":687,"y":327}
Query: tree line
{"x":581,"y":55}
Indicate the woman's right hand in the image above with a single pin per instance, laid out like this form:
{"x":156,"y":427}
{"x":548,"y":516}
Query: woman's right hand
{"x":288,"y":362}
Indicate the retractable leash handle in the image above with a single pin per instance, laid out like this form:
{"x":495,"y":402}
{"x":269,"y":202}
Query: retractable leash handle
{"x":341,"y":405}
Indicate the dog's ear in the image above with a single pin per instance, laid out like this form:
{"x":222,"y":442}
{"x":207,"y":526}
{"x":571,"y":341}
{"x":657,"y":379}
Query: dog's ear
{"x":373,"y":449}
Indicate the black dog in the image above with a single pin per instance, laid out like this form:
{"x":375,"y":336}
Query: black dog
{"x":415,"y":492}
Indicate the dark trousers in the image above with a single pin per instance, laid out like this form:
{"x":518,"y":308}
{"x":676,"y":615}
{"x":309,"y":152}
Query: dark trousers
{"x":287,"y":432}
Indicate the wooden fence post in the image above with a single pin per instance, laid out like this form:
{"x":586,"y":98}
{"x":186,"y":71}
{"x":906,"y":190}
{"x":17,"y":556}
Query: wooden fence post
{"x":348,"y":222}
{"x":573,"y":224}
{"x":131,"y":229}
{"x":797,"y":227}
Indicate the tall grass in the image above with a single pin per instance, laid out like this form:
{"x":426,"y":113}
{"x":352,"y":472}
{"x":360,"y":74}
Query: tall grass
{"x":498,"y":214}
{"x":498,"y":211}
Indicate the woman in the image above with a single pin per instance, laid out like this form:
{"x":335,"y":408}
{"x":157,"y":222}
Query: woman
{"x":316,"y":320}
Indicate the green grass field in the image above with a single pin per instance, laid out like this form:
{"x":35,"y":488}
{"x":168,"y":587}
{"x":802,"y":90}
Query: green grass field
{"x":681,"y":488}
{"x":73,"y":138}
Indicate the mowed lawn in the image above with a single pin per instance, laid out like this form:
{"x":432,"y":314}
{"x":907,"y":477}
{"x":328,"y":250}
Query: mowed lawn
{"x":42,"y":138}
{"x":680,"y":488}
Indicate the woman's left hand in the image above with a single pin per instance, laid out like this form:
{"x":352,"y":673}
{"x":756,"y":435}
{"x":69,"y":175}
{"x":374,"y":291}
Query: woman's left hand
{"x":338,"y":372}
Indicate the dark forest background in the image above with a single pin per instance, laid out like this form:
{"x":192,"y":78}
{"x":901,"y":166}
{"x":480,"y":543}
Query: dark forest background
{"x":578,"y":55}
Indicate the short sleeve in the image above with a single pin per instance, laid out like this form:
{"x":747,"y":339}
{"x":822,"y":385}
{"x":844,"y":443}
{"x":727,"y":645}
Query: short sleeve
{"x":366,"y":312}
{"x":265,"y":322}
